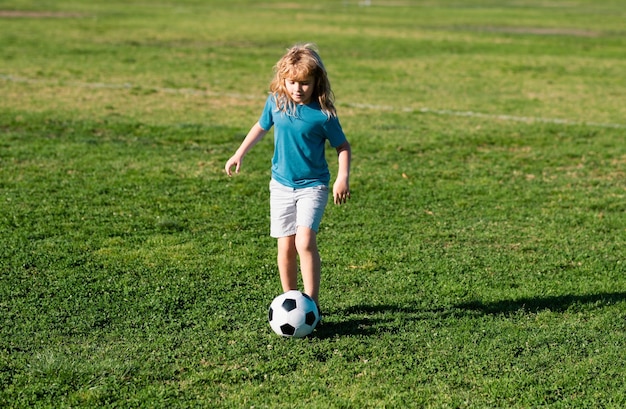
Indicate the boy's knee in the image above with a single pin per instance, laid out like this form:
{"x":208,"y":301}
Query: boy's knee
{"x":306,"y":241}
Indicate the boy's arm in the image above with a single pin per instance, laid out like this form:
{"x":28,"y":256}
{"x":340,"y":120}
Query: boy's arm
{"x":341,"y":188}
{"x":255,"y":134}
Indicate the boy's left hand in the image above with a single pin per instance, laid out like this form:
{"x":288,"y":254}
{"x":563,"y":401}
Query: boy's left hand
{"x":341,"y":191}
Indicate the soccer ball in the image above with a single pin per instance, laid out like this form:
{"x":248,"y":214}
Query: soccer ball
{"x":293,"y":314}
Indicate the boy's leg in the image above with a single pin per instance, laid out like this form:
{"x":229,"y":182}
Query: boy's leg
{"x":287,"y":263}
{"x":310,"y":264}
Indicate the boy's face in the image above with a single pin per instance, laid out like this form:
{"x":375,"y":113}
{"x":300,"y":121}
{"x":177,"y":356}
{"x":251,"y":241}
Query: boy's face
{"x":300,"y":91}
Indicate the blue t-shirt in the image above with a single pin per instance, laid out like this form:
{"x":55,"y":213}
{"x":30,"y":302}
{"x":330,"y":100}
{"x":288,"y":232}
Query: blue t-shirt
{"x":299,"y":156}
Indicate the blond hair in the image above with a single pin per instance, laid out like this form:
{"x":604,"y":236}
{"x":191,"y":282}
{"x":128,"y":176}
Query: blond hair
{"x":299,"y":63}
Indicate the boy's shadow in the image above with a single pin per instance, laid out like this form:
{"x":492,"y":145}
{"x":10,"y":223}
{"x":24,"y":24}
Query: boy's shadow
{"x":365,"y":320}
{"x":559,"y":303}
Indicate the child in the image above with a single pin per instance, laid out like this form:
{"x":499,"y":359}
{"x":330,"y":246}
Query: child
{"x":301,"y":109}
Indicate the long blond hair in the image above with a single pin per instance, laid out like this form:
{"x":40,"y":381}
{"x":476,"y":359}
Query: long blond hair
{"x":299,"y":63}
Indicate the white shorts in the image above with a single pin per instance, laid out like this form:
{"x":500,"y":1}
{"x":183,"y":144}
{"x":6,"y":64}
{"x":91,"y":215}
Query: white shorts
{"x":290,"y":208}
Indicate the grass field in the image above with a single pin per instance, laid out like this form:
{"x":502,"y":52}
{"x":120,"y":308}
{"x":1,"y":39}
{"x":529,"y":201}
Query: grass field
{"x":480,"y":262}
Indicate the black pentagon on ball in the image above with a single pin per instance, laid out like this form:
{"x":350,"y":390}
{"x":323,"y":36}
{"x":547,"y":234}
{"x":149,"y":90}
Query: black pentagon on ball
{"x":310,"y":318}
{"x":271,"y":314}
{"x":289,"y":304}
{"x":287,"y":329}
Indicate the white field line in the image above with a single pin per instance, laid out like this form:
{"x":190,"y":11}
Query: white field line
{"x":424,"y":110}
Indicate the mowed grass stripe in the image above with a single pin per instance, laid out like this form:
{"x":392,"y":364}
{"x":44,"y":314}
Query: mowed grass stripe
{"x":425,"y":110}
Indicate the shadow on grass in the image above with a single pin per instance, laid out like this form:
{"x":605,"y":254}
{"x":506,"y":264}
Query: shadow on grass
{"x":365,"y":320}
{"x":344,"y":328}
{"x":535,"y":304}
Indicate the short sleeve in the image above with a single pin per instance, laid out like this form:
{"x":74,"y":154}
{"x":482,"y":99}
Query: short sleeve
{"x":334,"y":132}
{"x":266,"y":121}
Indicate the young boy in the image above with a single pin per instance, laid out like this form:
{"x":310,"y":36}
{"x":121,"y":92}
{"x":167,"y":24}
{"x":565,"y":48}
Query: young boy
{"x":301,"y":109}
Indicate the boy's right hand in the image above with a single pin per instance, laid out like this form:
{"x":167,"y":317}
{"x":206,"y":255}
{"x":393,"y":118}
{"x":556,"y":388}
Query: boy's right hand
{"x":254,"y":135}
{"x":233,"y":161}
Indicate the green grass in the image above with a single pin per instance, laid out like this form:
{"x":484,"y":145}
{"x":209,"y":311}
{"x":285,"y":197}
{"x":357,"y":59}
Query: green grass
{"x":480,"y":262}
